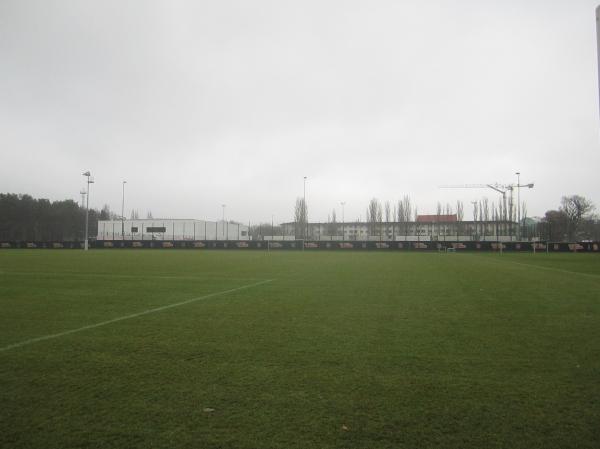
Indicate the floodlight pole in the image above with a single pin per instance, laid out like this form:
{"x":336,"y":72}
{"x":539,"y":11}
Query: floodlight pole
{"x":87,"y":174}
{"x":123,"y":213}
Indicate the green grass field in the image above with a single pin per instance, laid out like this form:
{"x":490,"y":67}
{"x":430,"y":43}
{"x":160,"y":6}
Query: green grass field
{"x":336,"y":350}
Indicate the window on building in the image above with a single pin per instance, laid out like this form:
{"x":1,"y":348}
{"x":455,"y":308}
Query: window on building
{"x":134,"y":229}
{"x":156,"y":229}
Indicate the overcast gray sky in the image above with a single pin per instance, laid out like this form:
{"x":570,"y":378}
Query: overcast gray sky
{"x":200,"y":103}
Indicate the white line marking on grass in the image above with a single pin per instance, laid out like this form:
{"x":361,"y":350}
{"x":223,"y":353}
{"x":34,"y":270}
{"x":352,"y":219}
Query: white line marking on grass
{"x":597,"y":276}
{"x":541,"y":267}
{"x":200,"y":276}
{"x":133,"y":315}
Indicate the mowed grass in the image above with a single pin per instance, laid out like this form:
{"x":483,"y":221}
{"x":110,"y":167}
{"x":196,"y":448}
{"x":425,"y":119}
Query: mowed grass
{"x":340,"y":350}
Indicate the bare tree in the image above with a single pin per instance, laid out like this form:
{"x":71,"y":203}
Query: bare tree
{"x":374,"y":215}
{"x":406,"y":206}
{"x":380,"y":219}
{"x":300,"y":214}
{"x":575,"y":207}
{"x":416,"y":220}
{"x":332,"y":220}
{"x":460,"y":214}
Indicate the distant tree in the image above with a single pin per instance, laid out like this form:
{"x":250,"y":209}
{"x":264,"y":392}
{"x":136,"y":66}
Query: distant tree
{"x":258,"y":231}
{"x":23,"y":218}
{"x":374,"y":216}
{"x":460,"y":214}
{"x":149,"y":215}
{"x":589,"y":228}
{"x":575,"y":207}
{"x":555,"y":226}
{"x":106,"y":213}
{"x":332,"y":227}
{"x":404,"y":213}
{"x":135,"y":214}
{"x":300,"y":218}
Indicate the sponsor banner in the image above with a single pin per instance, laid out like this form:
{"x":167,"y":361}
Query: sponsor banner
{"x":585,"y":246}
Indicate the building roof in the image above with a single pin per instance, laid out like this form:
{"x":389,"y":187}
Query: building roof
{"x":437,"y":218}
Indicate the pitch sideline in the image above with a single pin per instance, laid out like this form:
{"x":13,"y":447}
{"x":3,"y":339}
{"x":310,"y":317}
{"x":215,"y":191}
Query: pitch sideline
{"x":133,"y":315}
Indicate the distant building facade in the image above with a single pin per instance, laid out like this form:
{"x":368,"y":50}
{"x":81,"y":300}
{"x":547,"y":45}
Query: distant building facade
{"x":424,"y":228}
{"x":170,"y":229}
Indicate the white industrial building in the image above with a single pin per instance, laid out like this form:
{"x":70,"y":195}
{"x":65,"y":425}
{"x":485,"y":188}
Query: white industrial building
{"x":170,"y":229}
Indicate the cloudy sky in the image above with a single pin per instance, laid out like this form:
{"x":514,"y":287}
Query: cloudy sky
{"x":203,"y":103}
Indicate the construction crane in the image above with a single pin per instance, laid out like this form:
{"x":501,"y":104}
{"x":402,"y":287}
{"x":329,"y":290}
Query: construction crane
{"x":500,"y":188}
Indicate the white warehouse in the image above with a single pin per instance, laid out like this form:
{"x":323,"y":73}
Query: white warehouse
{"x":170,"y":229}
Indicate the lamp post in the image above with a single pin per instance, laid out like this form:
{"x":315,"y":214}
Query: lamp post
{"x":123,"y":213}
{"x":89,"y":181}
{"x":343,"y":203}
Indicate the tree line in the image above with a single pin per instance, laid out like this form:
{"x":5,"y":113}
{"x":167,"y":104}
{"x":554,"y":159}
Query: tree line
{"x":24,"y":218}
{"x":572,"y":220}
